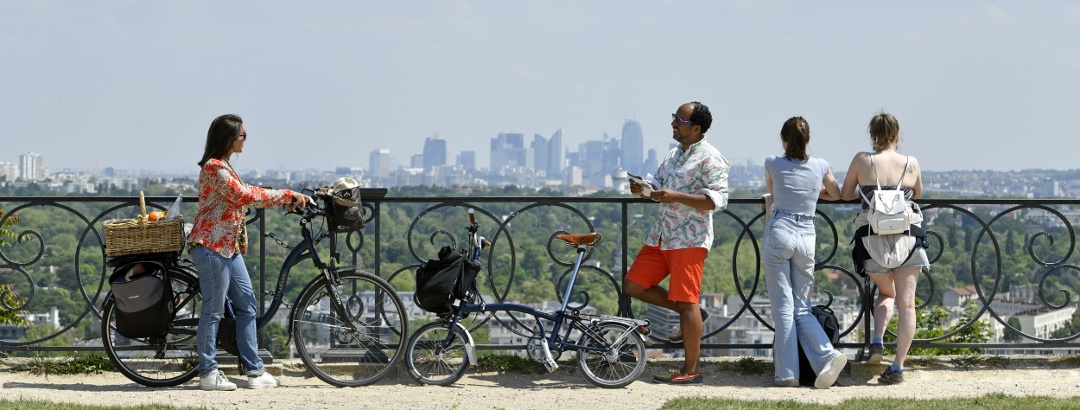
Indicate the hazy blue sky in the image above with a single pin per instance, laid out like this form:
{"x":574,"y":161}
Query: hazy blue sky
{"x":135,"y":84}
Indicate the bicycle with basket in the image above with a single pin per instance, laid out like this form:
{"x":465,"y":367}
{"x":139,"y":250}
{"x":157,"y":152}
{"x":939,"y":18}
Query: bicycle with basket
{"x":610,"y":349}
{"x":349,"y":326}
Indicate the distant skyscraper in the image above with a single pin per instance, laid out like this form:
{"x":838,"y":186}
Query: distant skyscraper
{"x":434,"y":152}
{"x":416,"y":161}
{"x":612,"y":155}
{"x":541,"y":152}
{"x":591,"y":161}
{"x":555,"y":155}
{"x":379,"y":163}
{"x":547,"y":154}
{"x":467,"y":160}
{"x":633,"y":146}
{"x":651,"y":163}
{"x":508,"y":150}
{"x":31,"y":167}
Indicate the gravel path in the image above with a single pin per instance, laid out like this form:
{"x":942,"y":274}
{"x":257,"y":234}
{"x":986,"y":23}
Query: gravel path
{"x":567,"y":387}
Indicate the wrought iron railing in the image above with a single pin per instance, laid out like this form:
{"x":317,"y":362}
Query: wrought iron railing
{"x":1010,"y":258}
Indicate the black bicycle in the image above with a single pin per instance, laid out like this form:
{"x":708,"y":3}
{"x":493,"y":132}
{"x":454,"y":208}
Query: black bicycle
{"x":349,"y":327}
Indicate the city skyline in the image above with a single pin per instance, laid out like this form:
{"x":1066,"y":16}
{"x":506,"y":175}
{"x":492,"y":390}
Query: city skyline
{"x":975,"y":85}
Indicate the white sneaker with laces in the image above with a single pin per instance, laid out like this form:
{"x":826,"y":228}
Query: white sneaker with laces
{"x":216,"y":381}
{"x":266,"y":381}
{"x":832,"y":370}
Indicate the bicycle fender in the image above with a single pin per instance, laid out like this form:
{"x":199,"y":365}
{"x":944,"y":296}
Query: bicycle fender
{"x":470,"y":345}
{"x":624,"y":320}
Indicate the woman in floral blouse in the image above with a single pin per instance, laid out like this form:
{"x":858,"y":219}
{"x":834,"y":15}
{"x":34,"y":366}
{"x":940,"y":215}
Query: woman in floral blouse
{"x":218,"y":242}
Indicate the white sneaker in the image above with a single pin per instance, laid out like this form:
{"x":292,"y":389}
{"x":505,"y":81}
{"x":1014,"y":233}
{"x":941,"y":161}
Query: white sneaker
{"x":265,"y":381}
{"x":832,"y":370}
{"x":786,"y":382}
{"x":216,"y":381}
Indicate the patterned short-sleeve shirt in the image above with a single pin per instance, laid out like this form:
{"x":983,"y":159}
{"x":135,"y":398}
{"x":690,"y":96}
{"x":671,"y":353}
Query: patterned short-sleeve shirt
{"x":698,"y":170}
{"x":223,"y":197}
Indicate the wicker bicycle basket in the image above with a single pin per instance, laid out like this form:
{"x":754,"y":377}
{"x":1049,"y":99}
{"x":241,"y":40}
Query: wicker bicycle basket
{"x":133,"y":236}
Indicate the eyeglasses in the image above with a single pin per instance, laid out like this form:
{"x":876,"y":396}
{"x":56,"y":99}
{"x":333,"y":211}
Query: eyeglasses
{"x":242,"y":136}
{"x":680,"y":120}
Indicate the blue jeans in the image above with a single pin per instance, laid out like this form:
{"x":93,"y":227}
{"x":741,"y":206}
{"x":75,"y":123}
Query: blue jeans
{"x":220,"y":276}
{"x":789,"y":274}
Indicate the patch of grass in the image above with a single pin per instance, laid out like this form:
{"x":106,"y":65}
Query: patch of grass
{"x":78,"y":364}
{"x":504,"y":363}
{"x":23,"y":404}
{"x":1070,"y":361}
{"x":973,"y":361}
{"x":990,"y":401}
{"x":747,"y":366}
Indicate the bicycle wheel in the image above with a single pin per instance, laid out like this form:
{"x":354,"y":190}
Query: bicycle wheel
{"x":168,"y":360}
{"x":432,"y":359}
{"x":359,"y":348}
{"x":612,"y":366}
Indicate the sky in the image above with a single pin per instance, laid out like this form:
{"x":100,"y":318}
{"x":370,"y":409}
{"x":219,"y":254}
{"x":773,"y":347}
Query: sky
{"x":990,"y":85}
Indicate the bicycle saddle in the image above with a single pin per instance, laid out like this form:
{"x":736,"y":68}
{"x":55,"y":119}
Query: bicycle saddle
{"x":578,"y":241}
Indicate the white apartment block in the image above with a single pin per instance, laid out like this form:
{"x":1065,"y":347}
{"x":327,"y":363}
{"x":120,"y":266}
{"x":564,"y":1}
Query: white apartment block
{"x":8,"y":171}
{"x":31,"y":167}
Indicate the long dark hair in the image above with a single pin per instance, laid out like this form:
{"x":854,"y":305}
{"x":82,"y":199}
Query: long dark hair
{"x":796,"y":133}
{"x":223,"y":131}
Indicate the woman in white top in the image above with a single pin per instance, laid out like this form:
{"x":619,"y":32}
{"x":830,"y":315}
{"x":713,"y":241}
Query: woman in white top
{"x":896,"y":284}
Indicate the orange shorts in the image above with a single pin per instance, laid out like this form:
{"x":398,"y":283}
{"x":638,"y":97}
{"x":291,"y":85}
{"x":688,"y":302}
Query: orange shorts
{"x":684,"y":266}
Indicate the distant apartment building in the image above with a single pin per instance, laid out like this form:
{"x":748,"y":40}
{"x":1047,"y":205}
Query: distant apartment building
{"x":8,"y":171}
{"x":379,"y":163}
{"x":31,"y":167}
{"x":14,"y":333}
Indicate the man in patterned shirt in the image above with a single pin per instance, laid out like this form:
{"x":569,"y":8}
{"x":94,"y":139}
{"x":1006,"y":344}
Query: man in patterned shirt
{"x":690,"y":185}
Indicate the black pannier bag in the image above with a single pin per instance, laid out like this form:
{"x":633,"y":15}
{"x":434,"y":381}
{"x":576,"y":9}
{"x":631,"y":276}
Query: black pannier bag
{"x":144,"y":299}
{"x":827,"y":319}
{"x":440,"y":281}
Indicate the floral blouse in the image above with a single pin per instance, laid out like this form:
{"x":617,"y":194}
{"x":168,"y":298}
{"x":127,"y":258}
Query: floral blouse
{"x":698,"y":170}
{"x":223,"y":197}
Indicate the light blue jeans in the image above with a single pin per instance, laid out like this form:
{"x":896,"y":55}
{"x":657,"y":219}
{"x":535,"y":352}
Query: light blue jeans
{"x":788,"y":256}
{"x":220,"y":276}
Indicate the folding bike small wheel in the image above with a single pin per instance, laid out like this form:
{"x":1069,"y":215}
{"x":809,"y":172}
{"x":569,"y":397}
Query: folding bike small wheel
{"x":608,"y":361}
{"x":436,"y":354}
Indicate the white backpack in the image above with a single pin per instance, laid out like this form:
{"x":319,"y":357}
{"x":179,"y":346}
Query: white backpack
{"x":889,"y":211}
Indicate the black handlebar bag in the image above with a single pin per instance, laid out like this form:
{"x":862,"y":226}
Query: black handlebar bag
{"x":144,"y":299}
{"x":440,"y":281}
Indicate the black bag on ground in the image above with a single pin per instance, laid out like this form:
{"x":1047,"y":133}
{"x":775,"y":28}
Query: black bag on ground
{"x":144,"y":299}
{"x":440,"y":281}
{"x":827,"y":319}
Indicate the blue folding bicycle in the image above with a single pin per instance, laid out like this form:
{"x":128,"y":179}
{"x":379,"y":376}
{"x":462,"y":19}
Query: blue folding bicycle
{"x":610,"y":349}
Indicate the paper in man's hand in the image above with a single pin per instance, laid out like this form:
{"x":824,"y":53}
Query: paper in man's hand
{"x":647,"y":187}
